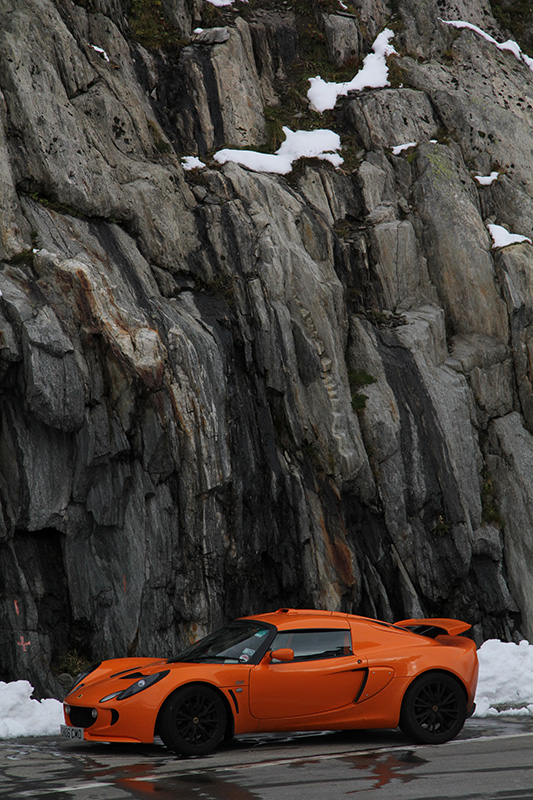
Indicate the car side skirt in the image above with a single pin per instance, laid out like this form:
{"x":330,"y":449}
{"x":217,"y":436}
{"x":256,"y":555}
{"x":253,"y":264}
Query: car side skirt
{"x":382,"y":710}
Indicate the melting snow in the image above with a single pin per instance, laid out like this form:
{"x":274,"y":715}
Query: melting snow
{"x":101,"y":51}
{"x":221,"y":3}
{"x":502,"y":237}
{"x":400,"y":147}
{"x":509,"y":45}
{"x":373,"y":75}
{"x":486,"y":180}
{"x":191,"y":162}
{"x":298,"y":144}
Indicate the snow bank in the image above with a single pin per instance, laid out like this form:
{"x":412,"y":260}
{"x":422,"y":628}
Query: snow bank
{"x":374,"y":74}
{"x":505,"y":679}
{"x":22,"y":716}
{"x":298,"y":144}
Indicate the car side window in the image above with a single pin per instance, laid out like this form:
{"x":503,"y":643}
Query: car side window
{"x":312,"y":645}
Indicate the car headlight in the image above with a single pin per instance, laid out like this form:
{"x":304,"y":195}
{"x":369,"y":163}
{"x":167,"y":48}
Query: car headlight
{"x":143,"y":683}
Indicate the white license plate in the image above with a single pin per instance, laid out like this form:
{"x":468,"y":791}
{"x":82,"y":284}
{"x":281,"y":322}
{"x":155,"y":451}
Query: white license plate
{"x":68,"y":732}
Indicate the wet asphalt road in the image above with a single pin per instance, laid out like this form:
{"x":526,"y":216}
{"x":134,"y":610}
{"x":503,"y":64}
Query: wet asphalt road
{"x":492,"y":760}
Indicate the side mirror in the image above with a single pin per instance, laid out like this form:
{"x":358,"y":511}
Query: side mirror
{"x":283,"y":654}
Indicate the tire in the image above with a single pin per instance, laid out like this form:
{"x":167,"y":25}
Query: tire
{"x":193,"y":721}
{"x":433,"y":709}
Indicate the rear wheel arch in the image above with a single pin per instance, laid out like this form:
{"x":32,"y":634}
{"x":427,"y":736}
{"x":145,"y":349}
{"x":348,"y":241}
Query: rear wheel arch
{"x":436,"y":672}
{"x":433,"y":708}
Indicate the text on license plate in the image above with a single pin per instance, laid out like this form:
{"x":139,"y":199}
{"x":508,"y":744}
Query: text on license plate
{"x":68,"y":732}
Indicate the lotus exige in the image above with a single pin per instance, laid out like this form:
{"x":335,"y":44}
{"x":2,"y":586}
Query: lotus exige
{"x":290,"y":670}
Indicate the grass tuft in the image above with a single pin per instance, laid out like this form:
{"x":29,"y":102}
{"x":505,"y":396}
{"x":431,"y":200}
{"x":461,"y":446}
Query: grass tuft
{"x":151,"y":28}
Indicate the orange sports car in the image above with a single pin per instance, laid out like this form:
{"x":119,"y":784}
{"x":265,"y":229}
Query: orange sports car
{"x":290,"y":670}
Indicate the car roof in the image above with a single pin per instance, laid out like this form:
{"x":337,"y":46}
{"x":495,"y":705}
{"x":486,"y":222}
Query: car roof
{"x":291,"y":618}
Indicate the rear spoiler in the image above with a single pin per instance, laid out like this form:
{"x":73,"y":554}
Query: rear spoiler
{"x":434,"y":626}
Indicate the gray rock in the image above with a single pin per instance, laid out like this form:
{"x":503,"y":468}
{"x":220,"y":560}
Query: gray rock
{"x":443,"y":195}
{"x":403,"y":274}
{"x":488,"y":365}
{"x":9,"y":346}
{"x":225,"y":85}
{"x":377,"y":183}
{"x":275,"y":41}
{"x":54,"y":386}
{"x":487,"y":542}
{"x":482,"y":121}
{"x":375,"y":14}
{"x":392,"y":117}
{"x":227,"y":391}
{"x":343,"y":38}
{"x":510,"y":461}
{"x":211,"y":36}
{"x":182,"y":13}
{"x":425,"y":35}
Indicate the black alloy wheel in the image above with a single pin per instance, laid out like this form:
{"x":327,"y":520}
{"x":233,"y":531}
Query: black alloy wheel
{"x":433,"y":709}
{"x":193,"y":720}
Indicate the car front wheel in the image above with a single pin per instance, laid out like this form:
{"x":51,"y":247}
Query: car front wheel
{"x":193,"y":721}
{"x":433,"y":709}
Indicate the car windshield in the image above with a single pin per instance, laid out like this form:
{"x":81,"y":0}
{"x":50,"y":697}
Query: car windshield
{"x":235,"y":643}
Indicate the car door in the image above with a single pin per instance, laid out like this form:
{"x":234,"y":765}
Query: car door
{"x":324,"y":675}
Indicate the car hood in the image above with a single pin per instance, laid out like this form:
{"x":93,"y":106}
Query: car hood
{"x":117,"y":674}
{"x":117,"y":669}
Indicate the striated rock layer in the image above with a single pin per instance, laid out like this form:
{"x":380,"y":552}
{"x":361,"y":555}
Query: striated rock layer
{"x":223,"y":391}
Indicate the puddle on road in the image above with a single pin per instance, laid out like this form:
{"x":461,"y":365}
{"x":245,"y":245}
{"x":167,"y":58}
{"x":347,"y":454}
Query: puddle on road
{"x":191,"y":786}
{"x":380,"y":768}
{"x":142,"y":779}
{"x":139,"y":779}
{"x":385,"y":768}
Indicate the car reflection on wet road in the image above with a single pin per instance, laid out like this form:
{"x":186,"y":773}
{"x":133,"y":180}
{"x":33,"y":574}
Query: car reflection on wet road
{"x":381,"y":770}
{"x":491,"y":760}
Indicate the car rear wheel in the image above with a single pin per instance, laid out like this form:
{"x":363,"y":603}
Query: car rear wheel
{"x":193,"y":721}
{"x":433,"y":709}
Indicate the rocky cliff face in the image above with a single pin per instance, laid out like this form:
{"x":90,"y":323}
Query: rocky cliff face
{"x":222,"y":391}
